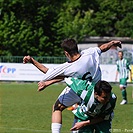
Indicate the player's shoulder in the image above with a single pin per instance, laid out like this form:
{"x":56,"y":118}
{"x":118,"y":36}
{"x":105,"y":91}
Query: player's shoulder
{"x":125,"y":59}
{"x":91,"y":50}
{"x":63,"y":65}
{"x":113,"y":98}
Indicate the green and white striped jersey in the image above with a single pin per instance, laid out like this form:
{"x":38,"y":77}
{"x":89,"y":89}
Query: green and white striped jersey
{"x":123,"y":67}
{"x":90,"y":107}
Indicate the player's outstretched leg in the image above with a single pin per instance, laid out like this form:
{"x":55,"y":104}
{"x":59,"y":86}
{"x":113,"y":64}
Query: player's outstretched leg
{"x":57,"y":117}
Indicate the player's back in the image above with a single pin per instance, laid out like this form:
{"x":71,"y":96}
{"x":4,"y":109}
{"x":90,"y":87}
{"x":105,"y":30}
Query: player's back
{"x":86,"y":67}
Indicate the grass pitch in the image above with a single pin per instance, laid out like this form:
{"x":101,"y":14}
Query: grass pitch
{"x":24,"y":110}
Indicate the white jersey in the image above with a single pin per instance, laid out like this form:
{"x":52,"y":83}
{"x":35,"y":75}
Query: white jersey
{"x":86,"y":67}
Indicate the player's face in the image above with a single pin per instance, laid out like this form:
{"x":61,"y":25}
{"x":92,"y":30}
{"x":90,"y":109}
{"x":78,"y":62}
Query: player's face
{"x":120,"y":55}
{"x":103,"y":98}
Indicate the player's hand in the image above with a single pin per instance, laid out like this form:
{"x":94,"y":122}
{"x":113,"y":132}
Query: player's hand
{"x":79,"y":125}
{"x":41,"y":86}
{"x":27,"y":59}
{"x":116,"y":43}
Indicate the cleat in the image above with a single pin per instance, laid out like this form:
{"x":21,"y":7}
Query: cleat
{"x":123,"y":102}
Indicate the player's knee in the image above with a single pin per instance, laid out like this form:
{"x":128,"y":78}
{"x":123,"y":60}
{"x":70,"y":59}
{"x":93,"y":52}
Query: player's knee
{"x":122,"y":88}
{"x":58,"y":106}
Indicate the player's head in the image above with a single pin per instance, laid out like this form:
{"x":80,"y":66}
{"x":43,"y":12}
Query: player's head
{"x":102,"y":91}
{"x":70,"y":47}
{"x":120,"y":55}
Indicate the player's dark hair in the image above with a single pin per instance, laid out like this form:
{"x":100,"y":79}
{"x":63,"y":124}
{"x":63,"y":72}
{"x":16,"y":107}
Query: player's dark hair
{"x":120,"y":51}
{"x":70,"y":45}
{"x":102,"y":86}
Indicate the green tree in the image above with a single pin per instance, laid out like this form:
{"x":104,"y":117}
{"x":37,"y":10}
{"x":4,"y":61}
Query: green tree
{"x":114,"y":18}
{"x":74,"y":19}
{"x":124,"y":26}
{"x":26,"y":27}
{"x":37,"y":27}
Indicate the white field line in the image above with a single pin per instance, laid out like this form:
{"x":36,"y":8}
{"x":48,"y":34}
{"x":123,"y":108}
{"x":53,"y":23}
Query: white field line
{"x":24,"y":129}
{"x":32,"y":130}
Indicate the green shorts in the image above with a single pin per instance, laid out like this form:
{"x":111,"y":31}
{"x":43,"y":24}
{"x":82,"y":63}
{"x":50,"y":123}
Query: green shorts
{"x":123,"y":82}
{"x":102,"y":127}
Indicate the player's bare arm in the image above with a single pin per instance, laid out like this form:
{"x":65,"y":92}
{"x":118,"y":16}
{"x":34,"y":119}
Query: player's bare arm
{"x":108,"y":45}
{"x":29,"y":59}
{"x":81,"y":124}
{"x":116,"y":76}
{"x":43,"y":84}
{"x":130,"y":73}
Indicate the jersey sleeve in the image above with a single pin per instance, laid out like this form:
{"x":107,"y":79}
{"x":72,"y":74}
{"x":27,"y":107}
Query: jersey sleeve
{"x":128,"y":65}
{"x":117,"y":66}
{"x":56,"y":71}
{"x":93,"y":50}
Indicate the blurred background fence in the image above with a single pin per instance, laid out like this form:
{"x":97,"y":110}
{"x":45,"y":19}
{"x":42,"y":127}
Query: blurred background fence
{"x":42,"y":59}
{"x":109,"y":57}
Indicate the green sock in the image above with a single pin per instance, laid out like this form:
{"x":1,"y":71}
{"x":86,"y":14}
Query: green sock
{"x":124,"y":94}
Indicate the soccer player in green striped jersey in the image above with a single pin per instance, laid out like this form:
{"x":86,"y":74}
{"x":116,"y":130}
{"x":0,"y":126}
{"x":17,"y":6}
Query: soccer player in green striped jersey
{"x":124,"y":70}
{"x":96,"y":110}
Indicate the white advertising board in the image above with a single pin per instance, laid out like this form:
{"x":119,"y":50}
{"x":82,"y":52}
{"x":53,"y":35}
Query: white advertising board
{"x":20,"y":72}
{"x":28,"y":72}
{"x":109,"y":72}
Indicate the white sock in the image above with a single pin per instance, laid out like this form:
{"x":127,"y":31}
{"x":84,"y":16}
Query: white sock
{"x":56,"y":127}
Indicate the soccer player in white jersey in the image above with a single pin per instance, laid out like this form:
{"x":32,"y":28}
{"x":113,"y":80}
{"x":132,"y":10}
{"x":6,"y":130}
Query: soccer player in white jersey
{"x":84,"y":65}
{"x":123,"y":69}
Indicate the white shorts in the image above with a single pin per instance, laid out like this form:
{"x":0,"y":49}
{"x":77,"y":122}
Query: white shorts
{"x":121,"y":86}
{"x":68,"y":97}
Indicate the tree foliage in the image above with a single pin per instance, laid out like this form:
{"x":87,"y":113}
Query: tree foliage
{"x":37,"y":27}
